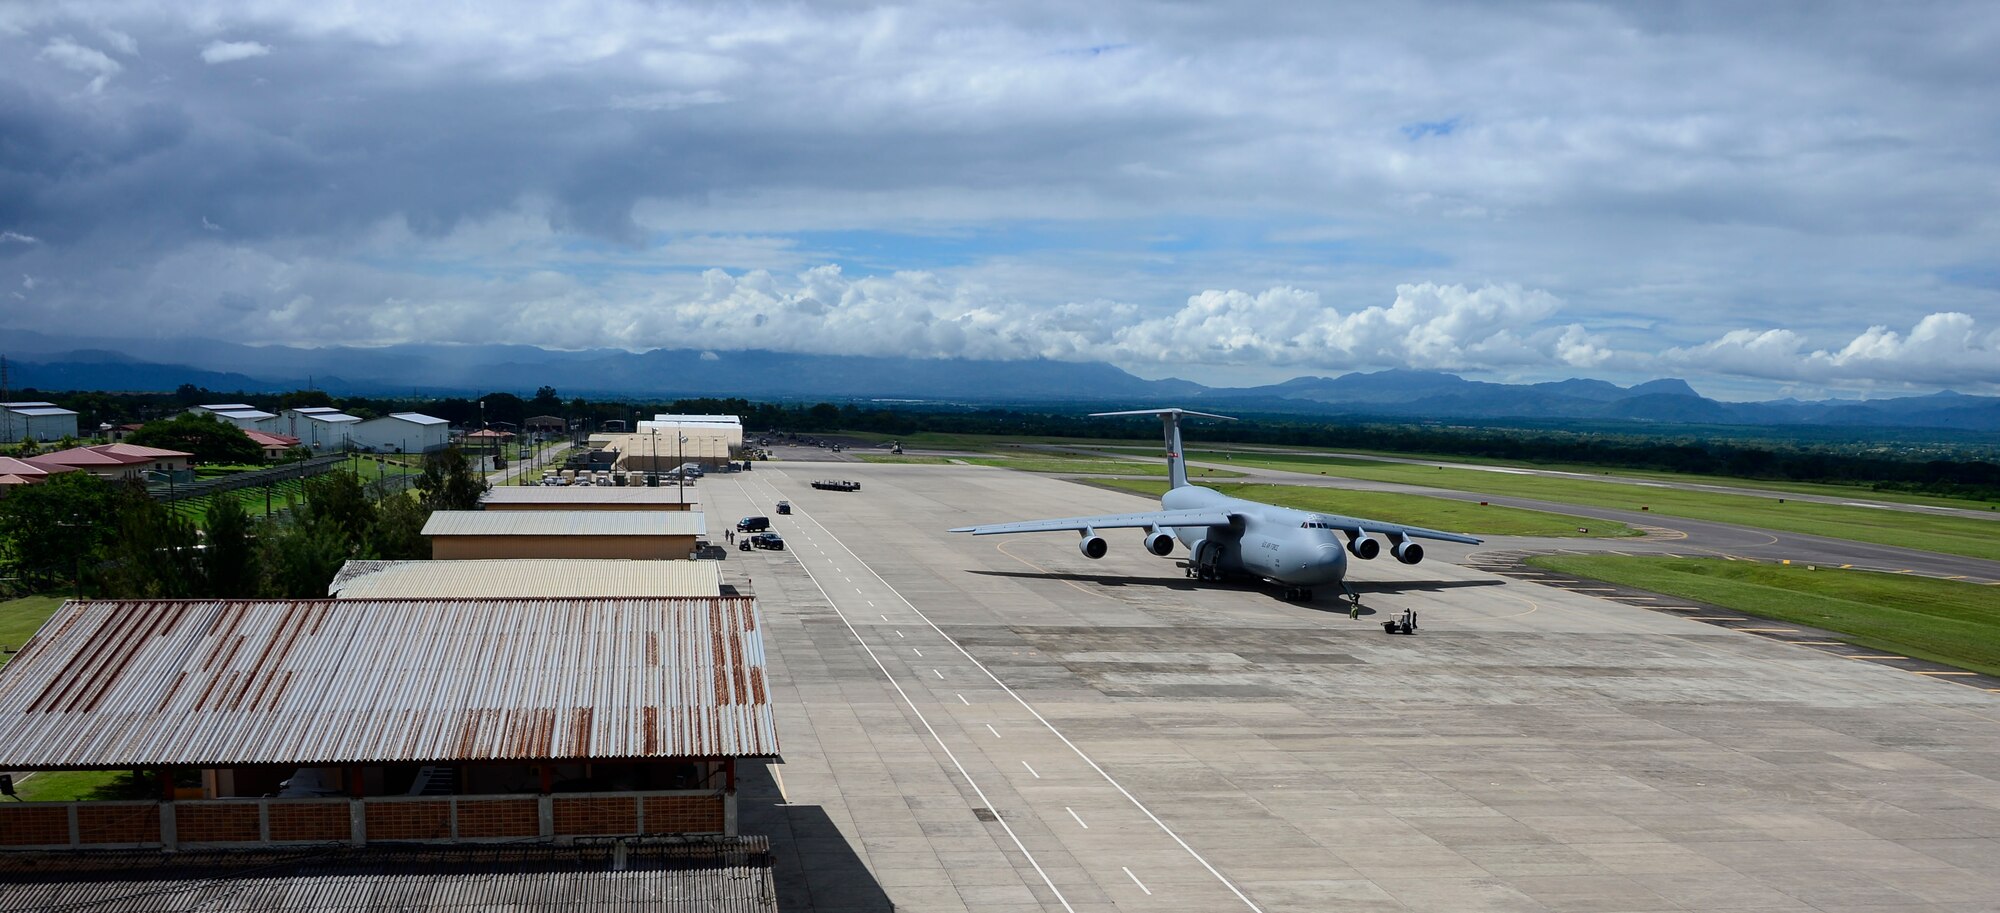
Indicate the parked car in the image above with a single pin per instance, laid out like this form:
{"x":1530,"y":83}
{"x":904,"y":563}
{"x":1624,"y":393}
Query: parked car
{"x":768,"y":540}
{"x":753,"y":524}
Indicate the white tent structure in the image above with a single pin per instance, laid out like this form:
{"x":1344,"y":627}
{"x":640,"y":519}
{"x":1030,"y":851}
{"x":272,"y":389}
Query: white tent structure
{"x":402,"y":432}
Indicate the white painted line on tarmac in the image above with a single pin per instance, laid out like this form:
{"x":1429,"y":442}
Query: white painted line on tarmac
{"x":899,"y":633}
{"x":962,"y":700}
{"x":940,"y":675}
{"x":912,"y":649}
{"x":1135,"y":880}
{"x":1079,"y":818}
{"x":996,"y":732}
{"x":1072,"y":746}
{"x":1031,"y":770}
{"x":883,"y":617}
{"x":1919,"y":672}
{"x":1880,"y":656}
{"x":935,"y":737}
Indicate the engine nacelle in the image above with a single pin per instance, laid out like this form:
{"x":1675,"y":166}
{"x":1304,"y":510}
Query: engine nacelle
{"x":1159,"y":543}
{"x":1408,"y":552}
{"x":1092,"y":545}
{"x":1363,"y":547}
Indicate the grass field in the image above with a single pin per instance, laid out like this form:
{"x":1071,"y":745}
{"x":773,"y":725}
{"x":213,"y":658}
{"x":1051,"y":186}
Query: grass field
{"x":1947,"y":621}
{"x":283,"y":493}
{"x":1827,"y":489}
{"x":1972,"y":538}
{"x":20,"y":618}
{"x":81,"y":786}
{"x":1413,"y":510}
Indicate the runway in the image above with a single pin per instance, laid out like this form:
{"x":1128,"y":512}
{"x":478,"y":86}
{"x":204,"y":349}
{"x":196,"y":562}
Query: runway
{"x":998,"y":723}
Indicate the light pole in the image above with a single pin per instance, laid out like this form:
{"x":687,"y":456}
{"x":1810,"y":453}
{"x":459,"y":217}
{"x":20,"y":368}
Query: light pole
{"x":678,"y":458}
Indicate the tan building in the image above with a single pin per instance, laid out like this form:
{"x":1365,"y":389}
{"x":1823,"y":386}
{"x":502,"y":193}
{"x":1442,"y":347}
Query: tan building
{"x":463,"y":534}
{"x":659,"y":452}
{"x":117,"y":462}
{"x":567,"y":577}
{"x":587,"y":497}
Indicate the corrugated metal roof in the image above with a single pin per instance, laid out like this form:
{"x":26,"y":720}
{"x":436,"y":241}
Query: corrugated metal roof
{"x":636,"y":495}
{"x":717,"y":875}
{"x":138,"y":683}
{"x":229,"y":407}
{"x":41,"y":411}
{"x":525,"y":577}
{"x":26,"y":404}
{"x":566,"y":523}
{"x":253,"y":414}
{"x":418,"y":418}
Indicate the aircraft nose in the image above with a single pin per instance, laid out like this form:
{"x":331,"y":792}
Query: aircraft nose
{"x":1332,"y":562}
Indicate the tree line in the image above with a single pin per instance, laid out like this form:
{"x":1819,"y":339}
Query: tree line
{"x":112,"y":540}
{"x":1683,"y":452}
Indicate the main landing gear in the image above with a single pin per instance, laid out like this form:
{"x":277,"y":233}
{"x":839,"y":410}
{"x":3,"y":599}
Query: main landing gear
{"x":1205,"y":563}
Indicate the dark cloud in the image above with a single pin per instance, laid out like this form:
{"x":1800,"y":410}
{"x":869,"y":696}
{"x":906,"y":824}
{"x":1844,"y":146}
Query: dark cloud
{"x":374,"y":172}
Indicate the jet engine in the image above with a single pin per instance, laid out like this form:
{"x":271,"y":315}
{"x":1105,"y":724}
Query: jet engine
{"x":1363,"y":547}
{"x":1092,"y":545}
{"x":1159,"y":543}
{"x":1408,"y":552}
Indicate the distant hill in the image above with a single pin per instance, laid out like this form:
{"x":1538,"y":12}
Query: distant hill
{"x":55,"y":363}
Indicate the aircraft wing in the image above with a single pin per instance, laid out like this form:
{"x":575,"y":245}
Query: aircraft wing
{"x":1161,"y":518}
{"x":1358,"y":525}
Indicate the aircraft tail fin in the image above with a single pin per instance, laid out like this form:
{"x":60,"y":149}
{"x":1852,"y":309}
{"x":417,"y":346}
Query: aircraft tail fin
{"x":1171,"y":419}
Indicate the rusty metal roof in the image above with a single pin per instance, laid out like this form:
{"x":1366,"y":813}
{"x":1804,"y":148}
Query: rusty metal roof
{"x":566,"y":523}
{"x":129,"y":683}
{"x":525,"y":577}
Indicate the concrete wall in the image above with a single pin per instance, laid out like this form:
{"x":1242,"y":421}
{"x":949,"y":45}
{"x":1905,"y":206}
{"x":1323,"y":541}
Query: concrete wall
{"x":645,"y":547}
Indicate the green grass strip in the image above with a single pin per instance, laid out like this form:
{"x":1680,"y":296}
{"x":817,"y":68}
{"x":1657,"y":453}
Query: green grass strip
{"x":81,"y":786}
{"x":1966,"y":536}
{"x":1947,"y":621}
{"x":1410,"y":510}
{"x":21,"y":618}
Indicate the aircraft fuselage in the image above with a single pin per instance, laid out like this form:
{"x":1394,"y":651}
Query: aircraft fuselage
{"x":1289,"y":547}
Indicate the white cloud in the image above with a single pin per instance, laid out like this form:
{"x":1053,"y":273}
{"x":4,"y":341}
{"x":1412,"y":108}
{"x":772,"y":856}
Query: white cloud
{"x":1427,"y":326}
{"x":15,"y":237}
{"x":229,"y":51}
{"x":66,"y":53}
{"x":1945,"y":349}
{"x":119,"y":41}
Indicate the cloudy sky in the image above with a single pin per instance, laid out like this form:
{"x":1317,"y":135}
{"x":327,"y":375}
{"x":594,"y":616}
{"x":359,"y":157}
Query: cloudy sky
{"x":1766,"y":199}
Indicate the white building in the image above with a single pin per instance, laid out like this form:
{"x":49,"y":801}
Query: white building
{"x":402,"y":432}
{"x":320,"y":428}
{"x":728,"y":428}
{"x":244,"y":416}
{"x":35,"y":420}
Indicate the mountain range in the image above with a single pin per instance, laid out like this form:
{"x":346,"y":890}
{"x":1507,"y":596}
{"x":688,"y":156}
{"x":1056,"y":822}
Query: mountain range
{"x":75,"y":363}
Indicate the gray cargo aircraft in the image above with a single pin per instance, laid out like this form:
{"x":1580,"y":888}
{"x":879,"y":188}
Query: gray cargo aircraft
{"x":1225,"y":536}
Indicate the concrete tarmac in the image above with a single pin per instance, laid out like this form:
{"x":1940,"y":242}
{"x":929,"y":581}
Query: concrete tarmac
{"x":998,"y":723}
